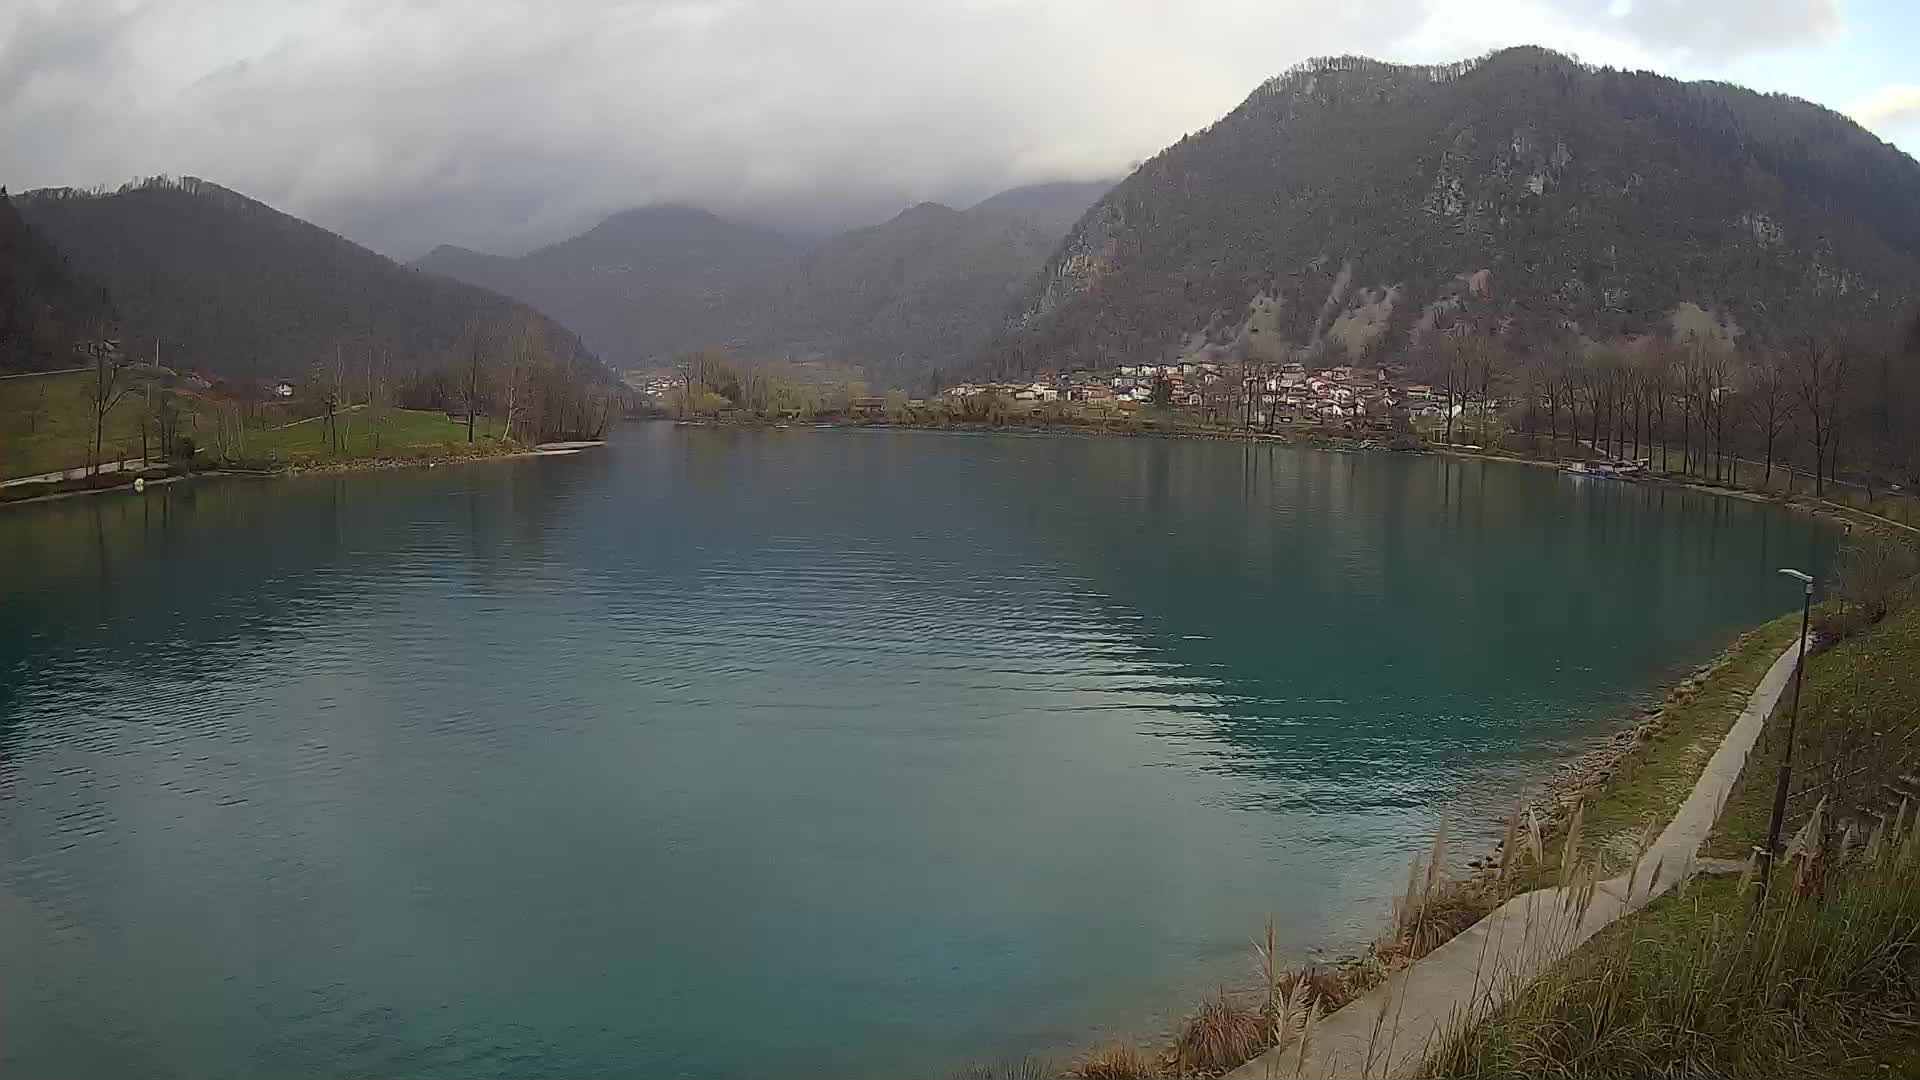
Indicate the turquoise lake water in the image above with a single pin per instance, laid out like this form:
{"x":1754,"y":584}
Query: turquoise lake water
{"x":728,"y":754}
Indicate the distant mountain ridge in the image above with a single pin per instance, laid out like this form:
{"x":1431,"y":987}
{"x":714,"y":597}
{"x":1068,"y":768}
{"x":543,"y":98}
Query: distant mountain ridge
{"x":1354,"y":204}
{"x":900,"y":298}
{"x":230,"y":285}
{"x":1054,"y":206}
{"x":643,"y":283}
{"x":922,"y":290}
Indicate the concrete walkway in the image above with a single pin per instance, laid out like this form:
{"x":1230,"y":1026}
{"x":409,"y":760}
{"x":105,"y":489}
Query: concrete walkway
{"x":128,"y":465}
{"x":1389,"y":1032}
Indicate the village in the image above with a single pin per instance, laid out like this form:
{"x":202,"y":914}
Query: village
{"x":1208,"y":392}
{"x":1287,"y":393}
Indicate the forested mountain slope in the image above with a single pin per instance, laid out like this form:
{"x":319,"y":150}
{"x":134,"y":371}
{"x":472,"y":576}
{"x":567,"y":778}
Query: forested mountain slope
{"x":923,"y":290}
{"x":46,"y":306}
{"x":640,"y":286}
{"x":901,"y":298}
{"x":1352,"y":204}
{"x":1054,"y":207}
{"x":230,"y":285}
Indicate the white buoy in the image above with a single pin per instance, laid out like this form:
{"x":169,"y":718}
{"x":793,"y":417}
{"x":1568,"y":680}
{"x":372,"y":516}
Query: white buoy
{"x":139,"y":484}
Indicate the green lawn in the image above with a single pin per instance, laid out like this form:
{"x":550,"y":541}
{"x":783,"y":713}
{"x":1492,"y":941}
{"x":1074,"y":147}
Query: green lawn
{"x":46,"y":423}
{"x":360,"y":436}
{"x":1753,"y":476}
{"x":1858,"y":729}
{"x":1819,"y":982}
{"x":1700,"y":984}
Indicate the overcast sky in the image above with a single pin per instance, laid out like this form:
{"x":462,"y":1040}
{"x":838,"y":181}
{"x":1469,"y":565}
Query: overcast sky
{"x":500,"y":125}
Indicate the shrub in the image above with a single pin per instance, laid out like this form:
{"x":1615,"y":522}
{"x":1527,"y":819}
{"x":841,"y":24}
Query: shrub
{"x":1875,"y":573}
{"x":1116,"y":1061}
{"x":1024,"y":1069}
{"x":1223,"y":1035}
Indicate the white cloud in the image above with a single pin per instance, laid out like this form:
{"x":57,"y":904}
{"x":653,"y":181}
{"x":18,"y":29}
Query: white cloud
{"x":1712,"y":29}
{"x":1889,"y":106}
{"x":497,"y":124}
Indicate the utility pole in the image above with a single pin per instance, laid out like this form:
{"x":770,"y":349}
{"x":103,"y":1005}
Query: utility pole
{"x":1786,"y":754}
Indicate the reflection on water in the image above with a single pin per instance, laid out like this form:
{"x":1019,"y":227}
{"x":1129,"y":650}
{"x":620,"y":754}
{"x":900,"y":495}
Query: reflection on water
{"x":851,"y":751}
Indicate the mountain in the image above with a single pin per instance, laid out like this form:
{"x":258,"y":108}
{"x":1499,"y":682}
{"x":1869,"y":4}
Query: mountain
{"x":639,"y":287}
{"x":923,"y":290}
{"x":1054,"y":207}
{"x":900,"y":298}
{"x":46,"y":306}
{"x":1356,"y":204}
{"x":229,"y":285}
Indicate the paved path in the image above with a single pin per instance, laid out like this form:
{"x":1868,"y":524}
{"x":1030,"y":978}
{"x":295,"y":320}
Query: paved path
{"x":1388,"y":1033}
{"x":75,"y":474}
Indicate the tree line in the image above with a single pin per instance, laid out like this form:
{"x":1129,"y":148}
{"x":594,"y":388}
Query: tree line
{"x":1832,"y":408}
{"x":513,"y":373}
{"x":717,"y":382}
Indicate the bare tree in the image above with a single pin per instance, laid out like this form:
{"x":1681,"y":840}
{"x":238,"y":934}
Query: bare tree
{"x":344,"y":389}
{"x":1484,"y":371}
{"x":473,"y":375}
{"x":35,"y":409}
{"x":475,"y":359}
{"x":110,"y":385}
{"x":1594,"y":378}
{"x":1716,"y":368}
{"x":1820,"y":372}
{"x":379,"y":394}
{"x":1447,"y":362}
{"x":528,"y":353}
{"x":1768,"y":402}
{"x":322,"y":385}
{"x":1540,"y":378}
{"x":1569,"y":365}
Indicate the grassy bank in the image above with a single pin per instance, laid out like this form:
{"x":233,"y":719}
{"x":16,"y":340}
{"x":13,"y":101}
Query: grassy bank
{"x":1781,"y":482}
{"x":1624,"y":1003}
{"x":1663,"y":753}
{"x":1707,"y":983}
{"x":1857,"y":737}
{"x":46,"y":425}
{"x":402,"y":434}
{"x":1821,"y":976}
{"x":1641,"y":776}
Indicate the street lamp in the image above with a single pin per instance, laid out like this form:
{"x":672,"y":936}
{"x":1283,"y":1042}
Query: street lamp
{"x":1786,"y":755}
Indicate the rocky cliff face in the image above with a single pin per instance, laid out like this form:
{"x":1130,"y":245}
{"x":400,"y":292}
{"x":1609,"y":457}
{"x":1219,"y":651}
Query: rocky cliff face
{"x":1353,"y":205}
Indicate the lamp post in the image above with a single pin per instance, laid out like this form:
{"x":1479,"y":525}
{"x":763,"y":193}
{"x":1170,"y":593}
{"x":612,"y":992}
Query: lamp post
{"x":1786,"y":754}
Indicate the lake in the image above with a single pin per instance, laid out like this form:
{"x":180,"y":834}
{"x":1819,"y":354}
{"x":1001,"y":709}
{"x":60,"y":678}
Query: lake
{"x":730,"y":754}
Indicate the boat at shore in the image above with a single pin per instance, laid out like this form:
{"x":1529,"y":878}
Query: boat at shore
{"x":1616,"y":470}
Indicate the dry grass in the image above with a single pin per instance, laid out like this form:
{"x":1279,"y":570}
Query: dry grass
{"x":1025,"y":1069}
{"x":1817,"y":978}
{"x":1434,"y":909}
{"x":1117,"y":1061}
{"x":1222,"y":1036}
{"x":1224,"y":1033}
{"x":1858,"y":730}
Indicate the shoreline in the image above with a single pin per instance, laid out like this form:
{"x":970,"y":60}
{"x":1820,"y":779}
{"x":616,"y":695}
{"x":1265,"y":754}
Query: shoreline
{"x":1561,"y":786}
{"x":352,"y":465}
{"x":1377,"y":442}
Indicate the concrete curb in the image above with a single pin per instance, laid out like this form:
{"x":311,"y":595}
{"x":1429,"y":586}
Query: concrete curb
{"x":1390,"y":1031}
